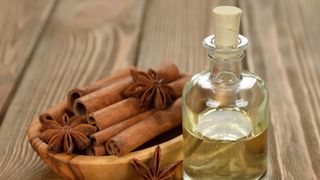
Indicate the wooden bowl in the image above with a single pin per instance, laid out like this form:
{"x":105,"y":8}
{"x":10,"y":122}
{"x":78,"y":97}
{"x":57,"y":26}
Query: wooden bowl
{"x":101,"y":167}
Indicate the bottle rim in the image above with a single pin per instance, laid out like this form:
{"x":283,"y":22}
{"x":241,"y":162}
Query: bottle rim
{"x":209,"y":43}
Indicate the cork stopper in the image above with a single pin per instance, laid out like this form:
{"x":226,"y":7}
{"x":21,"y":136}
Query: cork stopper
{"x":226,"y":25}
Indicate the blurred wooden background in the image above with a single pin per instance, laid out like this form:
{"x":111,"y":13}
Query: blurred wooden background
{"x":47,"y":47}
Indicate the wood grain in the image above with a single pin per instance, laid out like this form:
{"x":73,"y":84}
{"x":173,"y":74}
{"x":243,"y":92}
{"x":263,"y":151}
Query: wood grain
{"x":174,"y":30}
{"x":168,"y":30}
{"x":21,"y":24}
{"x":83,"y":41}
{"x":285,"y":52}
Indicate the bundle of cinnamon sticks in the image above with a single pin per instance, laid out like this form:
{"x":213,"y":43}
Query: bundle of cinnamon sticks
{"x":129,"y":108}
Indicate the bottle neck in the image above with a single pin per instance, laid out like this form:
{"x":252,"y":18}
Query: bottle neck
{"x":226,"y":62}
{"x":226,"y":67}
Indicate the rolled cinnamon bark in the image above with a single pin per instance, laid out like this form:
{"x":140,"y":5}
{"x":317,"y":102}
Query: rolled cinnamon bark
{"x":101,"y":98}
{"x":101,"y":137}
{"x":99,"y":150}
{"x":115,"y":113}
{"x":56,"y":112}
{"x":138,"y":134}
{"x":81,"y":91}
{"x":127,"y":108}
{"x":111,"y":94}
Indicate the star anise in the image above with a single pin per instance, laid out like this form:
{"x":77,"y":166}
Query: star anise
{"x":150,"y":89}
{"x":154,"y":172}
{"x":69,"y":135}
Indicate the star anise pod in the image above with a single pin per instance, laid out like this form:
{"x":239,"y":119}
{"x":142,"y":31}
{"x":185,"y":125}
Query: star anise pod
{"x":154,"y":172}
{"x":150,"y":89}
{"x":67,"y":136}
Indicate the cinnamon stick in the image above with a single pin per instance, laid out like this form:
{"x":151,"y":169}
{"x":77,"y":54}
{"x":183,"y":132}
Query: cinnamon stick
{"x":127,"y":108}
{"x":138,"y":134}
{"x":81,"y":91}
{"x":56,"y":112}
{"x":115,"y":113}
{"x":94,"y":150}
{"x":113,"y":93}
{"x":102,"y":136}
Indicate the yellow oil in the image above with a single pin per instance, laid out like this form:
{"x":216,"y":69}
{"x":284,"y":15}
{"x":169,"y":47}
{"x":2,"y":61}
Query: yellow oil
{"x":224,"y":144}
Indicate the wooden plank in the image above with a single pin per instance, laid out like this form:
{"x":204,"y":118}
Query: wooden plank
{"x":174,"y":30}
{"x":285,"y":52}
{"x":21,"y":24}
{"x":84,"y":40}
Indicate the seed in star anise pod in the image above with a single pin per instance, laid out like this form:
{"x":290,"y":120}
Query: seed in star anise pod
{"x":153,"y":172}
{"x":69,"y":135}
{"x":150,"y":89}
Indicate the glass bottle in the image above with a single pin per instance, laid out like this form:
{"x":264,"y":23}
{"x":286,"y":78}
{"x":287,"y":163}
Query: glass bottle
{"x":225,"y":118}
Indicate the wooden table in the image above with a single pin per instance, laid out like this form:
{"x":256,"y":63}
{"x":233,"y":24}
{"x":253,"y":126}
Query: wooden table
{"x":47,"y":47}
